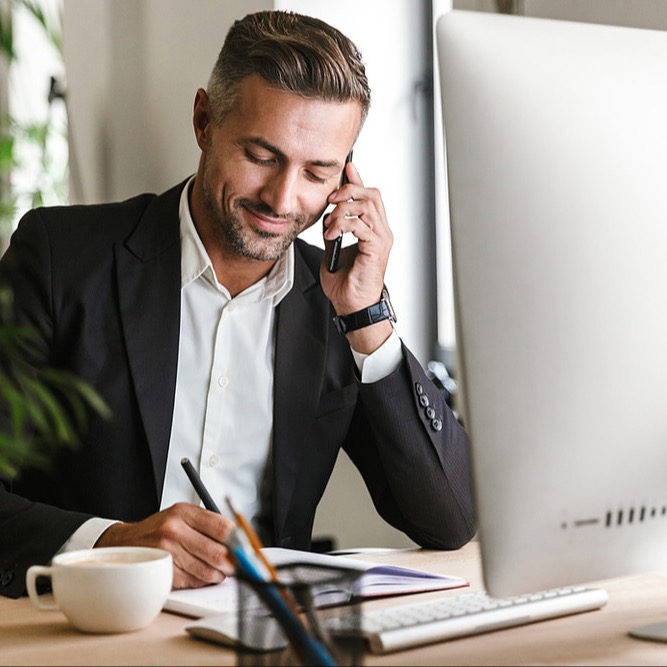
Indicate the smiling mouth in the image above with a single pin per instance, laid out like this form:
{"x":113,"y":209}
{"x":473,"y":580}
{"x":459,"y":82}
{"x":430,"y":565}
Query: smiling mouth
{"x":266,"y":222}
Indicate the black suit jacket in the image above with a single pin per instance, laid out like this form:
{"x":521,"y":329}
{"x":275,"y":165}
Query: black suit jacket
{"x":101,"y":284}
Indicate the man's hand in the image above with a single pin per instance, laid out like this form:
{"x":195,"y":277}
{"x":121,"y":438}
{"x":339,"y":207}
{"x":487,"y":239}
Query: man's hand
{"x":192,"y":535}
{"x":359,"y":280}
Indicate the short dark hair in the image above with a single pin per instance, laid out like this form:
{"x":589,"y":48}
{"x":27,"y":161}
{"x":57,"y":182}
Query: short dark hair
{"x":296,"y":53}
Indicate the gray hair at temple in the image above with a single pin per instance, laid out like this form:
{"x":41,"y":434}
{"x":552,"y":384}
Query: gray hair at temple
{"x":296,"y":53}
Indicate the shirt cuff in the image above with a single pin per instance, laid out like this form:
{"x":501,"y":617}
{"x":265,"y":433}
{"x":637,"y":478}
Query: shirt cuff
{"x":85,"y":536}
{"x":381,"y":363}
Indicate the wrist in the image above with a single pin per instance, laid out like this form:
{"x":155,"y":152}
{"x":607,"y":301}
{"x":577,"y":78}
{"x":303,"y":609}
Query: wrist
{"x":366,"y":317}
{"x":369,"y":339}
{"x":110,"y":537}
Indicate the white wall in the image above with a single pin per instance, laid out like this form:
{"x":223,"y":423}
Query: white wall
{"x":133,"y":68}
{"x":634,"y":14}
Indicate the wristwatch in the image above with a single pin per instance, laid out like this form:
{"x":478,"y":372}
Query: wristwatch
{"x":382,"y":310}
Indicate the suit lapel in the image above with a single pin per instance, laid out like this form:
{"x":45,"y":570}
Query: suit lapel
{"x":149,"y":283}
{"x":301,"y":339}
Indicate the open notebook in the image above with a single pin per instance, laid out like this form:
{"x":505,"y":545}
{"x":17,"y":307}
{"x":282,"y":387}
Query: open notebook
{"x":375,"y":580}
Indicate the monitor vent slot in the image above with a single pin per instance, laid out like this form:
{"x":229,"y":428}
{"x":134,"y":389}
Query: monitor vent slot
{"x":623,"y":516}
{"x":632,"y":515}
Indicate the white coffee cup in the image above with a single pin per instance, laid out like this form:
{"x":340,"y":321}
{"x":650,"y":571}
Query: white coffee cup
{"x":105,"y":590}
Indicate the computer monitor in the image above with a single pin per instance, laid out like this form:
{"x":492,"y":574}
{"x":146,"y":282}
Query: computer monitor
{"x":556,"y":150}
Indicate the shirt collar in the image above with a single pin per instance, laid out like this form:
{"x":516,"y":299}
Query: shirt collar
{"x":195,"y":262}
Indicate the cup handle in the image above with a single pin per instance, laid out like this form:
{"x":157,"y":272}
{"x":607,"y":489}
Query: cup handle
{"x":35,"y":571}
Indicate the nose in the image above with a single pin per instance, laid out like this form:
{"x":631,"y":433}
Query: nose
{"x":280,"y":192}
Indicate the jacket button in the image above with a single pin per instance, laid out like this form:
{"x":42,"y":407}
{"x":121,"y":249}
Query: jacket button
{"x":436,"y":424}
{"x":419,"y":389}
{"x":423,"y":399}
{"x":7,"y":578}
{"x":430,"y":412}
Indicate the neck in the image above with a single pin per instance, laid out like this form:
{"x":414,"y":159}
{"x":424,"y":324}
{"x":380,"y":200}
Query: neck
{"x":234,"y":272}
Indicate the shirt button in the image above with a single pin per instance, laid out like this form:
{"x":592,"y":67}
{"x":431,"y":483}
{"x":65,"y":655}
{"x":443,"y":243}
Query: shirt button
{"x":213,"y":461}
{"x":223,"y":381}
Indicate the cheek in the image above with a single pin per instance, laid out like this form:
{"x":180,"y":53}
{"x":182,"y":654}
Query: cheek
{"x":246,"y":180}
{"x":316,"y":202}
{"x":229,"y":185}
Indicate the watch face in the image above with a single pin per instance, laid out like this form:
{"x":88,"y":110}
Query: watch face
{"x":390,"y":308}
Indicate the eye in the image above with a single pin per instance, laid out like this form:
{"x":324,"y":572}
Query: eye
{"x":255,"y":159}
{"x":315,"y":178}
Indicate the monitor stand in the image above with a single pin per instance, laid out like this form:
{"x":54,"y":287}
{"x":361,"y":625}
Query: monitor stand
{"x":656,"y":632}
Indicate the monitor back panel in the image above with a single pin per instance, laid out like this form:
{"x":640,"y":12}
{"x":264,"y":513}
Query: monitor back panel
{"x":556,"y":144}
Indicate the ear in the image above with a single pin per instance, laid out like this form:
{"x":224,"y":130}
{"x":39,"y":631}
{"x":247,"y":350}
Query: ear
{"x":201,"y":118}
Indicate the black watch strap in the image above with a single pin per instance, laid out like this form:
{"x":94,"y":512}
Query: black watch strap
{"x":366,"y":316}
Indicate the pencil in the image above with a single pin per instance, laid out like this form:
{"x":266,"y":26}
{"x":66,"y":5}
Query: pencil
{"x":314,"y":652}
{"x":254,"y":540}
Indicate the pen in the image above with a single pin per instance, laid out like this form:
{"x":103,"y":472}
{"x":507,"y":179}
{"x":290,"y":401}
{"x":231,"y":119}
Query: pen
{"x":201,"y":490}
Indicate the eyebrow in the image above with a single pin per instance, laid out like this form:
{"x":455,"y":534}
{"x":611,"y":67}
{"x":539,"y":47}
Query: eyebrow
{"x":327,"y":164}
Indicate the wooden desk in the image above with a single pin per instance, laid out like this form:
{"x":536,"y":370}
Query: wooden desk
{"x":32,"y":637}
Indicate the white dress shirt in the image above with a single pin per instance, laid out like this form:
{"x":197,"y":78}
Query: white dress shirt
{"x":223,"y":410}
{"x":226,"y":358}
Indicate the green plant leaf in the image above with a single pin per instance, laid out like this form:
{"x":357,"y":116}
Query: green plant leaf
{"x":45,"y":408}
{"x":16,"y":453}
{"x":7,"y":36}
{"x":77,"y":390}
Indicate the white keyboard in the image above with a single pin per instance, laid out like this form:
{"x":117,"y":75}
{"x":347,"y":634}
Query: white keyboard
{"x":434,"y":620}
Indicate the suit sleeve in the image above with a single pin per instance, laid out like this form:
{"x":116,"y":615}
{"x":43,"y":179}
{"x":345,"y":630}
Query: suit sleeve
{"x":414,"y":458}
{"x":30,"y":532}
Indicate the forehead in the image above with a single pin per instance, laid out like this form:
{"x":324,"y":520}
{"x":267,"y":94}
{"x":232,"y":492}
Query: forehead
{"x":310,"y":128}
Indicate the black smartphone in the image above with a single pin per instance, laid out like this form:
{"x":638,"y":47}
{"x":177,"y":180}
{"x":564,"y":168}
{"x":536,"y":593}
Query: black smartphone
{"x":338,"y":243}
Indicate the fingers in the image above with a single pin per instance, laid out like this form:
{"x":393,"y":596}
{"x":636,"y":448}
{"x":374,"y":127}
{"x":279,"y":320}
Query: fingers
{"x":364,"y":218}
{"x":354,"y":215}
{"x":353,"y":176}
{"x":197,"y":536}
{"x":192,"y":535}
{"x":356,"y":208}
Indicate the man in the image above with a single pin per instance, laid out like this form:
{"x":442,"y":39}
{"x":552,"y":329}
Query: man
{"x":212,"y":332}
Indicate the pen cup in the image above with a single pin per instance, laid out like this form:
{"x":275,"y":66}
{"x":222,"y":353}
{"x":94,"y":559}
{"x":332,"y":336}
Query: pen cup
{"x":322,"y":601}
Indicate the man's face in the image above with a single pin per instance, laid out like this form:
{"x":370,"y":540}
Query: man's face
{"x":269,"y":167}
